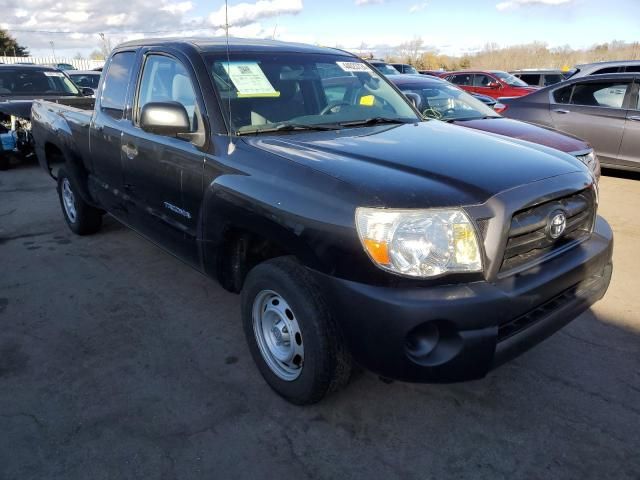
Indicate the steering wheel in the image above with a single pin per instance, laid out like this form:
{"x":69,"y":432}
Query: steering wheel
{"x":333,"y":105}
{"x":432,"y":113}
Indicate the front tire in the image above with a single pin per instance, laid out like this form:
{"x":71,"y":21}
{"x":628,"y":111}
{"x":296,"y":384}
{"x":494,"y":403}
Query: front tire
{"x":292,"y":336}
{"x":82,"y":218}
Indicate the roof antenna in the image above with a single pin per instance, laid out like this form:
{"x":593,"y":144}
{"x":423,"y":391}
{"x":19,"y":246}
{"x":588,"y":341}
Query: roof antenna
{"x":232,"y":147}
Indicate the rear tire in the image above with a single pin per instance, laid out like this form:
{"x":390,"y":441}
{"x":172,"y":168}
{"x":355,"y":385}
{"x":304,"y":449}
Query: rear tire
{"x":82,"y":218}
{"x":293,"y":338}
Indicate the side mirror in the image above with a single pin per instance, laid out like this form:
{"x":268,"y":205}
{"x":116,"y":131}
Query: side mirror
{"x":165,"y":118}
{"x":414,"y":98}
{"x":87,"y":92}
{"x":494,"y":85}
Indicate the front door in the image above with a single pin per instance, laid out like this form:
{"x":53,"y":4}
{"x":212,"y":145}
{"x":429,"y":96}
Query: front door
{"x":163,"y":175}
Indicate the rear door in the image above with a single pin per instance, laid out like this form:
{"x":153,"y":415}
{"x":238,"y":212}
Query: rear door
{"x":594,"y":110}
{"x":163,"y":174}
{"x":106,"y":131}
{"x":463,"y":80}
{"x":630,"y":149}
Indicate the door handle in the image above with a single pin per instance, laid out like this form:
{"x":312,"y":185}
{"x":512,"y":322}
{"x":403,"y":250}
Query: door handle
{"x":130,"y":151}
{"x":561,"y":111}
{"x":635,"y":118}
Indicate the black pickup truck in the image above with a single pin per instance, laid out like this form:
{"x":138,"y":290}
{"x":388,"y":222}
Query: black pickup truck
{"x":355,"y":230}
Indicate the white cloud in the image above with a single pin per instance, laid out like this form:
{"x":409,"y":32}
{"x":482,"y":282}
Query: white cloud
{"x":84,"y":19}
{"x":178,"y":8}
{"x":368,"y":2}
{"x":246,"y":13}
{"x":525,"y":3}
{"x":418,"y":7}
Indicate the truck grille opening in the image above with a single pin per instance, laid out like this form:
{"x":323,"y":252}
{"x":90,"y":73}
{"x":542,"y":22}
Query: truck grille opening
{"x":529,"y":235}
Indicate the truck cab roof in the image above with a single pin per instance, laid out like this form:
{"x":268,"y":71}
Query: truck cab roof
{"x":218,"y":44}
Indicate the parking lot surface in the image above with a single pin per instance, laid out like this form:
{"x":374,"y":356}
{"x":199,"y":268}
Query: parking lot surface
{"x":117,"y":361}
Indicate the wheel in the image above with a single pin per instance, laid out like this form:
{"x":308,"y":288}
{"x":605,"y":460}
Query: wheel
{"x":292,"y":336}
{"x":82,"y":218}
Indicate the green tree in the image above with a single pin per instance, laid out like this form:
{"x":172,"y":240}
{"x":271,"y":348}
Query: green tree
{"x":9,"y":47}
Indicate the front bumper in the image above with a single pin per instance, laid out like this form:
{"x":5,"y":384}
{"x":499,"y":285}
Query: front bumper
{"x":460,"y":332}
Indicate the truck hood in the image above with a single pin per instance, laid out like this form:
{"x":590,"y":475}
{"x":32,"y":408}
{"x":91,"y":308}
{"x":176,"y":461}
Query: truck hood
{"x":426,"y":164}
{"x":529,"y":132}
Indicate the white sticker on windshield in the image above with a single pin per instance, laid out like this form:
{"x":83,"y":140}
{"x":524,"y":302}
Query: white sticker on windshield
{"x":250,"y":80}
{"x":353,"y":67}
{"x":53,"y":74}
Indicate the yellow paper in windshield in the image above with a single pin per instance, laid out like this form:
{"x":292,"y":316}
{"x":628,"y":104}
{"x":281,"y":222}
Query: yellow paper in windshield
{"x":367,"y":100}
{"x":250,"y":80}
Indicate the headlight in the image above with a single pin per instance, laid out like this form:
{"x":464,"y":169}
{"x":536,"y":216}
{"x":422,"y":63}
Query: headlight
{"x":591,"y":161}
{"x":419,"y":243}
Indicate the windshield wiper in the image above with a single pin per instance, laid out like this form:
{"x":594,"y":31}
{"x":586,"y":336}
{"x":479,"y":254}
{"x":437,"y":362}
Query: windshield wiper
{"x":374,"y":121}
{"x":290,"y":127}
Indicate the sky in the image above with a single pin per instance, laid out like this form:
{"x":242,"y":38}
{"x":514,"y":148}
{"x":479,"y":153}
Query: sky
{"x":450,"y":27}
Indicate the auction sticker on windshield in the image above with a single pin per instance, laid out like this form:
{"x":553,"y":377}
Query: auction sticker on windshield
{"x":250,"y":80}
{"x":53,"y":74}
{"x":353,"y":67}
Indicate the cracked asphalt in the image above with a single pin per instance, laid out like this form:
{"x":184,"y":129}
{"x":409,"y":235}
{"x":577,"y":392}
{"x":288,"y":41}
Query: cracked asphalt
{"x":119,"y":362}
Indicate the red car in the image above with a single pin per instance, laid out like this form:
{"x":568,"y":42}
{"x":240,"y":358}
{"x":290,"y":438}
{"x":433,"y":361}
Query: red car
{"x":492,"y":83}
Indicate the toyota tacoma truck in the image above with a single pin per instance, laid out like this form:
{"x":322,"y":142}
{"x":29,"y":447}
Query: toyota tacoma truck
{"x":356,"y":232}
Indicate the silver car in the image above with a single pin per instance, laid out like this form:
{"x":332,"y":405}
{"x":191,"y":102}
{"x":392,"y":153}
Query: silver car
{"x":601,"y":109}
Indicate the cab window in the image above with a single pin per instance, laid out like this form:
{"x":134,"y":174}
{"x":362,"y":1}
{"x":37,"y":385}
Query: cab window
{"x":164,"y":79}
{"x":116,"y":84}
{"x":481,"y":80}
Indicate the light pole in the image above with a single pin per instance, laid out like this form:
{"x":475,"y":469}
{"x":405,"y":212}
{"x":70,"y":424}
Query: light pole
{"x":53,"y":49}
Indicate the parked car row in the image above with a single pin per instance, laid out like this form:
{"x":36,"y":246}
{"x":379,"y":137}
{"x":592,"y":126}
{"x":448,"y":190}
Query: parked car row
{"x":603,"y":109}
{"x":599,"y":103}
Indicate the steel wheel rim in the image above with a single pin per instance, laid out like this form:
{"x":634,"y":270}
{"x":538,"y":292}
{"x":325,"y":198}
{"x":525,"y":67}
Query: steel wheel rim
{"x":278,"y":335}
{"x":68,"y":200}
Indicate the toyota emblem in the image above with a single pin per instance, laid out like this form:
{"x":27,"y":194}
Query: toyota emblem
{"x":557,"y":224}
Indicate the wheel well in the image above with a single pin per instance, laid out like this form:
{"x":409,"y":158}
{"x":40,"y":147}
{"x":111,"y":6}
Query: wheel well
{"x":241,"y":251}
{"x":53,"y":157}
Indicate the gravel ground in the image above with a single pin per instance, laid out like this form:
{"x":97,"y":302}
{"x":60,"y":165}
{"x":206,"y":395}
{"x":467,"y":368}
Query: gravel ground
{"x":117,"y":361}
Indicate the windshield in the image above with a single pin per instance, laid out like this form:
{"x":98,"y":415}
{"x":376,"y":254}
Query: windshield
{"x":410,"y":69}
{"x":264,"y":91}
{"x":386,"y":69}
{"x":84,"y":80}
{"x":510,"y":79}
{"x":443,"y":101}
{"x":35,"y":82}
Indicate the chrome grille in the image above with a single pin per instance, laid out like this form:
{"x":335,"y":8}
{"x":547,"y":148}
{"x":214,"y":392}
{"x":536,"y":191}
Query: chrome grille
{"x":529,"y":238}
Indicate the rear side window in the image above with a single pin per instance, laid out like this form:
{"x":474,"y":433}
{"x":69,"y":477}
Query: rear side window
{"x":116,"y":83}
{"x":633,"y":68}
{"x":530,"y":79}
{"x":600,"y":94}
{"x":606,"y":70}
{"x":463,"y":79}
{"x":563,"y":95}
